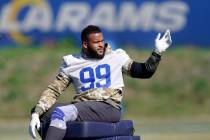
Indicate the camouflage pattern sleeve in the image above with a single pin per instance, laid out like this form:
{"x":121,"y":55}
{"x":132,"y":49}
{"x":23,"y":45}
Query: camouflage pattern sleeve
{"x":52,"y":92}
{"x":127,"y":66}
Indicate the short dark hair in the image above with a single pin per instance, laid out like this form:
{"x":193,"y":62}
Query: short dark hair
{"x":88,"y":30}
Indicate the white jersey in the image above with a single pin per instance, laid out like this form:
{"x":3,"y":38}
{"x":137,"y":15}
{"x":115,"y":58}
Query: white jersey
{"x":87,"y":74}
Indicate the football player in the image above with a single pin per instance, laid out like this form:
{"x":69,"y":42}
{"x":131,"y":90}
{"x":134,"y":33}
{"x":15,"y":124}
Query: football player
{"x":97,"y":75}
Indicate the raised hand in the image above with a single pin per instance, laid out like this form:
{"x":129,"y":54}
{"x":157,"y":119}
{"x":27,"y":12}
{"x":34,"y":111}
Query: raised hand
{"x":161,"y":44}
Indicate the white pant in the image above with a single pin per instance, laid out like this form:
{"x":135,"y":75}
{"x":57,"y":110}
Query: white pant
{"x":63,"y":114}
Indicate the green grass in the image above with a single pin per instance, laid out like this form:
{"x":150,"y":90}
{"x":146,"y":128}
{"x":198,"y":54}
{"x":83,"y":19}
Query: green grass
{"x":180,"y":87}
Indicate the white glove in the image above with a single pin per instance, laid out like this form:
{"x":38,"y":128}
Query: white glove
{"x":34,"y":124}
{"x":161,"y":44}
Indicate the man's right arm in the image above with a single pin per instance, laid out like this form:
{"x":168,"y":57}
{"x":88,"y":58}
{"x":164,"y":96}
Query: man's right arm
{"x":52,"y":92}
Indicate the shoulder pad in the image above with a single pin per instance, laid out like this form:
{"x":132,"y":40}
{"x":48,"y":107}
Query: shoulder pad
{"x":71,"y":59}
{"x":120,"y":51}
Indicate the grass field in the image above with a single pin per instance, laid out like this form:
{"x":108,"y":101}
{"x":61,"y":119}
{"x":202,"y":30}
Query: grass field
{"x":168,"y":129}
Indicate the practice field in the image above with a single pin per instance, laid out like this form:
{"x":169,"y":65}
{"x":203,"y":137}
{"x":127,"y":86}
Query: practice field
{"x":148,"y":129}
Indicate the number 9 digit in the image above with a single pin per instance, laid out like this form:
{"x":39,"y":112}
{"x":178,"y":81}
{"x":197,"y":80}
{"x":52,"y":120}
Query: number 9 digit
{"x":90,"y":79}
{"x":105,"y":76}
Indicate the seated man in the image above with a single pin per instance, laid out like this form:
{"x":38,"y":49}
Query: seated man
{"x":97,"y":75}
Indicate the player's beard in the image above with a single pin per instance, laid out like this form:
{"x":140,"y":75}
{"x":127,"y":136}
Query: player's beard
{"x":91,"y":53}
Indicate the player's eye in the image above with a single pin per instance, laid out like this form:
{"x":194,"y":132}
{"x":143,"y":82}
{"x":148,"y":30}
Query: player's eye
{"x":99,"y":41}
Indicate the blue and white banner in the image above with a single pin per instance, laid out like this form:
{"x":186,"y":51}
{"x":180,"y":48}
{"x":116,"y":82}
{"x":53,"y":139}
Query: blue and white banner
{"x":130,"y":22}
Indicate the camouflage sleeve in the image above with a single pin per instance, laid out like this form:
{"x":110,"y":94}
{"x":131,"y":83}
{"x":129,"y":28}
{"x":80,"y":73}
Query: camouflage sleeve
{"x":52,"y":92}
{"x":127,"y":66}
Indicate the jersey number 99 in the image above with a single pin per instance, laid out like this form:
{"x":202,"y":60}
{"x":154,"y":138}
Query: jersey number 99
{"x":89,"y":76}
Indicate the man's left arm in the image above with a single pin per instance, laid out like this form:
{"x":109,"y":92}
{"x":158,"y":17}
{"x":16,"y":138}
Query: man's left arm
{"x":147,"y":69}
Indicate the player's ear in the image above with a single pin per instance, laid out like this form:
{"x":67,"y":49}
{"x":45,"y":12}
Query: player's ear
{"x":84,"y":44}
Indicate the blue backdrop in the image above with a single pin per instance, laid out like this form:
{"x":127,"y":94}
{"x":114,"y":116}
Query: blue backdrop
{"x":130,"y":22}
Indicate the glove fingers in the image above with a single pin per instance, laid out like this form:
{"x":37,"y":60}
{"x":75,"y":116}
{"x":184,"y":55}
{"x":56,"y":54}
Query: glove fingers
{"x":168,"y":31}
{"x":38,"y":125}
{"x":158,"y":36}
{"x":167,"y":34}
{"x":32,"y":131}
{"x":169,"y":41}
{"x":168,"y":37}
